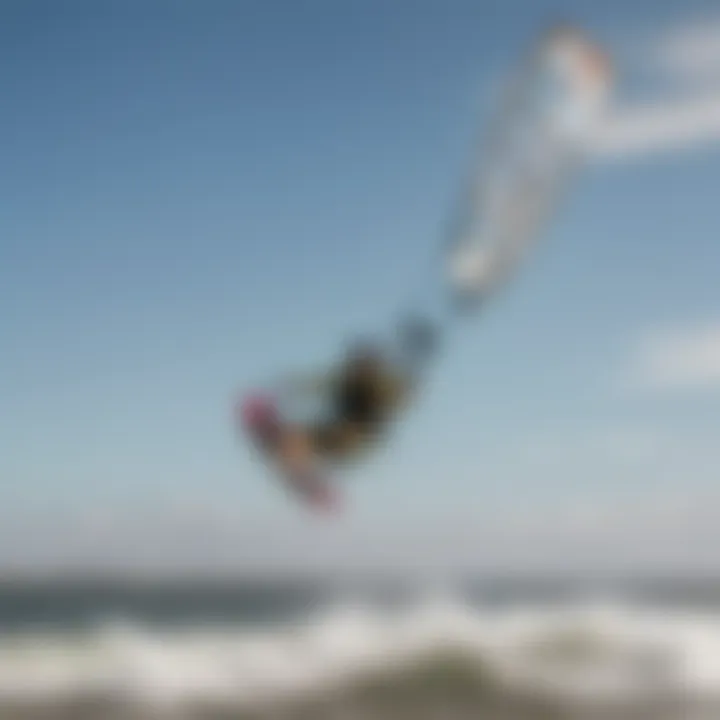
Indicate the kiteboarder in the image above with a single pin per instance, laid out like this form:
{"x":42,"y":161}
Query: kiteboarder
{"x":362,"y":398}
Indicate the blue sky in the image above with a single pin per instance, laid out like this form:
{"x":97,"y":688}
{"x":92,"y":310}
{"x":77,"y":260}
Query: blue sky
{"x":199,"y":195}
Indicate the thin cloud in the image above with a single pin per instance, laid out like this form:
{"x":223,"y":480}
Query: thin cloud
{"x":687,"y":358}
{"x":691,"y":53}
{"x":674,"y":126}
{"x":688,"y":57}
{"x":626,"y":445}
{"x":607,"y":530}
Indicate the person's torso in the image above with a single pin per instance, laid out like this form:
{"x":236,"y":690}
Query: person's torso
{"x":363,"y":399}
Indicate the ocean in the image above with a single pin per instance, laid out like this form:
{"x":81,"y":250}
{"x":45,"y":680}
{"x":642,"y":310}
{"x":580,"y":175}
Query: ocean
{"x":498,"y":649}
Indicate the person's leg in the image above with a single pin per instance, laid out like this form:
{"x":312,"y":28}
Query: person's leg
{"x":336,"y":440}
{"x":301,"y":446}
{"x":295,"y":451}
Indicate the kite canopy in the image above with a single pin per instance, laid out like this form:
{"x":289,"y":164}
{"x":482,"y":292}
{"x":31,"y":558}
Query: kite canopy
{"x":530,"y":157}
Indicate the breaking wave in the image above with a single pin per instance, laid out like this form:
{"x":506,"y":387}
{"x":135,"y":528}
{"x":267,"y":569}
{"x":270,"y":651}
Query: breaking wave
{"x":589,"y":658}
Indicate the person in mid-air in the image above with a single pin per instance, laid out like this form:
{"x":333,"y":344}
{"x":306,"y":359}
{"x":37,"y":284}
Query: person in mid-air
{"x":363,"y":396}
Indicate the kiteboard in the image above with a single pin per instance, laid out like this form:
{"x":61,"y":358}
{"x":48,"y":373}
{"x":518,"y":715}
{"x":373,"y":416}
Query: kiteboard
{"x":312,"y":488}
{"x":259,"y":417}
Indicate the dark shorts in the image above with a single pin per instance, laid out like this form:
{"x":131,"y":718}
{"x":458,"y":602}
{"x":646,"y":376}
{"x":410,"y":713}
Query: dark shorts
{"x":339,"y":439}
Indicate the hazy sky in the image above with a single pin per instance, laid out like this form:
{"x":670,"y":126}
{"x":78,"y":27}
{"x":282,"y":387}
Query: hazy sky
{"x":198,"y":195}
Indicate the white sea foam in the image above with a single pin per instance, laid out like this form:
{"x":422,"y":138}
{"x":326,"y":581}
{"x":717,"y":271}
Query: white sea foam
{"x":606,"y":654}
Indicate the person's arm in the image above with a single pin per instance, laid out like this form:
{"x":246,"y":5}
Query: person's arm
{"x":397,"y":388}
{"x":307,"y":383}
